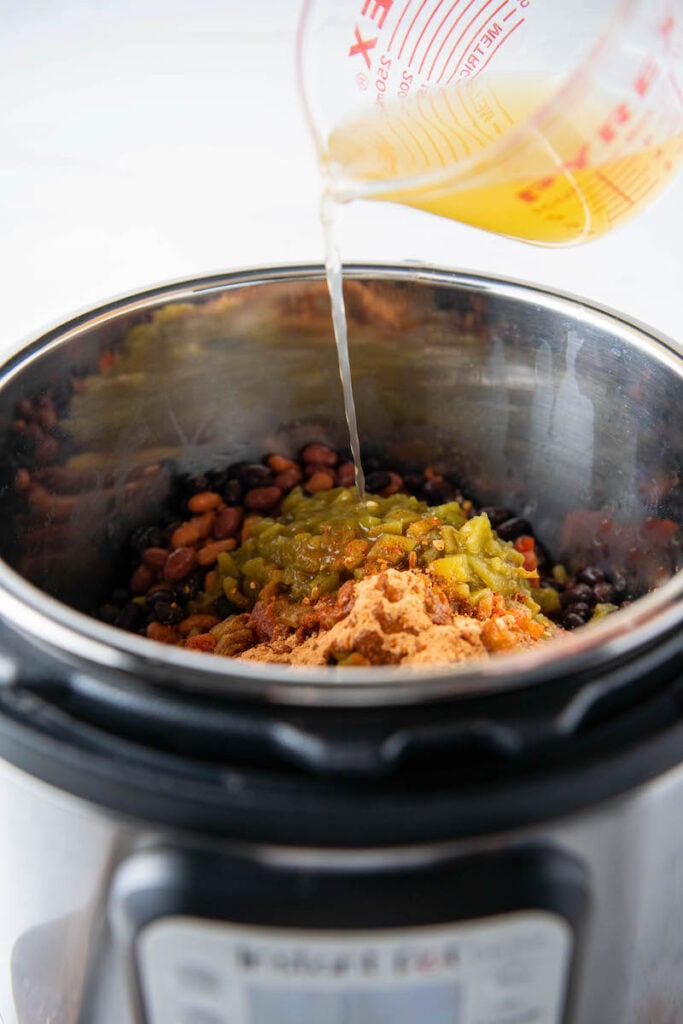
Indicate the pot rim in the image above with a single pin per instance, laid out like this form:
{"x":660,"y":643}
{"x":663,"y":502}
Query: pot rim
{"x":88,"y":645}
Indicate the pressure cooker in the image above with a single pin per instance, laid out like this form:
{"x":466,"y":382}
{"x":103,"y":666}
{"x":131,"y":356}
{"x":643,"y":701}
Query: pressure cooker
{"x":190,"y":839}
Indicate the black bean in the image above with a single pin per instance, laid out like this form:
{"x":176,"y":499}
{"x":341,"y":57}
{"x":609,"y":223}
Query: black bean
{"x":217,"y":478}
{"x":604,"y":592}
{"x":579,"y":592}
{"x":590,"y":575}
{"x":163,"y":595}
{"x":109,"y":612}
{"x":232,"y":492}
{"x":185,"y":486}
{"x":377,"y":480}
{"x":169,"y":613}
{"x":255,"y":474}
{"x":514,"y":528}
{"x":234,"y":470}
{"x":146,"y":537}
{"x":581,"y":609}
{"x":572,"y":621}
{"x":437,"y":491}
{"x":131,"y":617}
{"x":413,"y":482}
{"x":188,"y":588}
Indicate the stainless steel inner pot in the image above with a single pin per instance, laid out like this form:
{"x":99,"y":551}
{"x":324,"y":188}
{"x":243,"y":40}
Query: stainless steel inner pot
{"x":566,"y":413}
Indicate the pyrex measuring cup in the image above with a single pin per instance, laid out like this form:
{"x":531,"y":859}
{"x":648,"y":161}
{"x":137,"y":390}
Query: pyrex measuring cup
{"x":544,"y":120}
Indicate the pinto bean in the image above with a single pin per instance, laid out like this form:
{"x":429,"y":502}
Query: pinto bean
{"x":320,"y":454}
{"x":262,"y":499}
{"x":278,"y":463}
{"x":288,"y":478}
{"x":185,"y":536}
{"x":247,"y":525}
{"x":141,"y":580}
{"x":320,"y":481}
{"x":162,"y":634}
{"x":179,"y":563}
{"x":155,"y":558}
{"x":210,"y":552}
{"x":227,"y":522}
{"x":346,"y":474}
{"x":204,"y":501}
{"x":204,"y":523}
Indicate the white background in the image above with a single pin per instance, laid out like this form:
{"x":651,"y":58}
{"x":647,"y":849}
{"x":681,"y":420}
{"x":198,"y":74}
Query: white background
{"x":150,"y":140}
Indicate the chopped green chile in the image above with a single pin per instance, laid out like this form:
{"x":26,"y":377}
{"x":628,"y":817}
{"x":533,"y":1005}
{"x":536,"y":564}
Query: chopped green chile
{"x":319,"y":542}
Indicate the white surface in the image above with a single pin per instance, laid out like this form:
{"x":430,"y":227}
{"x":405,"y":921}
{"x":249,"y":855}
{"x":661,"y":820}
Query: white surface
{"x":150,"y":140}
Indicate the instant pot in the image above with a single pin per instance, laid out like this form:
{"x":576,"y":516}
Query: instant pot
{"x":198,"y":840}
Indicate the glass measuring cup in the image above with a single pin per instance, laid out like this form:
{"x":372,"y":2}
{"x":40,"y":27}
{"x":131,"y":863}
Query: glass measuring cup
{"x":537,"y":119}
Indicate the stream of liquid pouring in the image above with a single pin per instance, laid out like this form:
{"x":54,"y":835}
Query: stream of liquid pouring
{"x":329,"y":209}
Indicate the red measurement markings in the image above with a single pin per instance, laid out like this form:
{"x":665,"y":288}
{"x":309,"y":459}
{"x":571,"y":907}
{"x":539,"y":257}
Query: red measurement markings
{"x":654,"y":184}
{"x":633,"y":173}
{"x":422,"y":33}
{"x":451,"y":132}
{"x":638,"y":128}
{"x":646,"y":78}
{"x":477,"y":50}
{"x":615,"y":192}
{"x":464,"y":128}
{"x":376,"y":11}
{"x":532,"y":192}
{"x":445,"y":38}
{"x":499,"y":44}
{"x":473,"y":128}
{"x":510,"y":14}
{"x":401,"y":135}
{"x":462,"y":35}
{"x":667,"y":27}
{"x":636,"y":194}
{"x":428,"y":125}
{"x":398,"y":24}
{"x":579,"y":161}
{"x":411,"y":26}
{"x":640,"y":180}
{"x":362,"y":47}
{"x":633,"y":178}
{"x":613,"y":123}
{"x":638,"y":165}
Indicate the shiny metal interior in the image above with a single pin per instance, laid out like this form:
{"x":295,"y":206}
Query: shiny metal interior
{"x":537,"y":401}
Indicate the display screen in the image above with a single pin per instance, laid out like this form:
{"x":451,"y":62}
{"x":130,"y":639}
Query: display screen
{"x":436,"y":1003}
